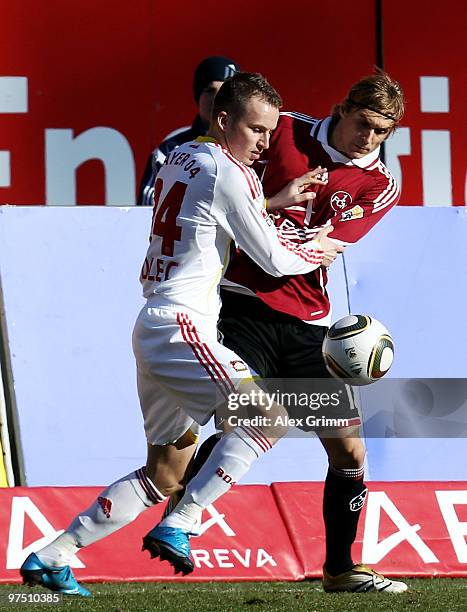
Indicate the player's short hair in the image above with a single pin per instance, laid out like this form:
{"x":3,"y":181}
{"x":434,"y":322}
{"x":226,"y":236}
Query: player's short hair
{"x":376,"y":92}
{"x":241,"y":87}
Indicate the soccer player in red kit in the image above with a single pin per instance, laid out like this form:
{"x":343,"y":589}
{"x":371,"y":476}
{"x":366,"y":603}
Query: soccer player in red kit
{"x":277,"y":325}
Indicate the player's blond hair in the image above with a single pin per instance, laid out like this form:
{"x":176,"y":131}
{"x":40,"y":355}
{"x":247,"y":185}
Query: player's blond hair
{"x":376,"y":92}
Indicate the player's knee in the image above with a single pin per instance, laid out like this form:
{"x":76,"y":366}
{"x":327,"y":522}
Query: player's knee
{"x":348,"y":455}
{"x":356,"y":456}
{"x":170,"y":489}
{"x":165,"y":480}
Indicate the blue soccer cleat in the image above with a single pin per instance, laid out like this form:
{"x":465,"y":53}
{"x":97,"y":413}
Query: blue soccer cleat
{"x":170,"y":544}
{"x":58,"y":579}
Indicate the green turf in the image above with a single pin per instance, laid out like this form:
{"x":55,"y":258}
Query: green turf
{"x":427,"y":595}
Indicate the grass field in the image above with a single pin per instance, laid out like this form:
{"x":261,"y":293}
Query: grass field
{"x":448,"y":595}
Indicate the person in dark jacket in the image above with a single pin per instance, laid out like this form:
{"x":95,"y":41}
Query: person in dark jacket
{"x":209,"y":76}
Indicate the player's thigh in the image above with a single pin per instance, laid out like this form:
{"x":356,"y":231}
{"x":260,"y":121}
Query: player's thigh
{"x":184,"y":373}
{"x":315,"y":400}
{"x":165,"y":421}
{"x":301,"y":346}
{"x":245,"y":329}
{"x":322,"y":404}
{"x":345,"y":448}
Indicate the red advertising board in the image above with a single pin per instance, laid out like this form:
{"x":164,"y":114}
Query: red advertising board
{"x":88,"y":89}
{"x":406,"y":528}
{"x":243,"y":537}
{"x":255,"y":532}
{"x":426,"y":51}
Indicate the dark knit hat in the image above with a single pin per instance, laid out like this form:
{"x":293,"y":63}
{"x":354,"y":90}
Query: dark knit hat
{"x":214,"y":68}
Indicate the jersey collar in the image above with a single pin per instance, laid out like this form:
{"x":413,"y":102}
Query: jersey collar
{"x":206,"y":139}
{"x":320,"y":131}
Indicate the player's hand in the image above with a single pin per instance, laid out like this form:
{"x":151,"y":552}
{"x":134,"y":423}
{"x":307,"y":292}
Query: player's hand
{"x":297,"y":191}
{"x":331,"y":249}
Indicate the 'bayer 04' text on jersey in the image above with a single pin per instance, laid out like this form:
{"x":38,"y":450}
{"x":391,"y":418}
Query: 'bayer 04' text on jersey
{"x":204,"y":198}
{"x":358,"y":194}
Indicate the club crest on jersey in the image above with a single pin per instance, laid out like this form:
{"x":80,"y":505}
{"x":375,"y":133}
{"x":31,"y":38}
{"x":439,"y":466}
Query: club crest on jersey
{"x":354,"y":213}
{"x":340,"y":199}
{"x":239,"y":366}
{"x":357,"y":502}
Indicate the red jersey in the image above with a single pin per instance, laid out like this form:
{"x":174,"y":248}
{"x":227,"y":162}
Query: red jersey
{"x":358,"y":194}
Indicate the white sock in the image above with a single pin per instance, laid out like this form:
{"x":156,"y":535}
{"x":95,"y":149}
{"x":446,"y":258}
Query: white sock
{"x":115,"y":507}
{"x":229,"y":461}
{"x":59,"y":552}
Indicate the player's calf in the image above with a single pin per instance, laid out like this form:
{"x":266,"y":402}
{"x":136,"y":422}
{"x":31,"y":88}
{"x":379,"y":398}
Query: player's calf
{"x":201,"y":456}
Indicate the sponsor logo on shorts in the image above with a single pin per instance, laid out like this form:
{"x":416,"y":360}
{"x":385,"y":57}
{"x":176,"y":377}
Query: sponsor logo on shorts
{"x":357,"y":502}
{"x":106,"y":505}
{"x":239,"y":366}
{"x":354,"y":213}
{"x":269,"y":218}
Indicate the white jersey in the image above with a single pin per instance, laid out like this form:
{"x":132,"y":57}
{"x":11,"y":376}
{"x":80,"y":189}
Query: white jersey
{"x":204,"y":198}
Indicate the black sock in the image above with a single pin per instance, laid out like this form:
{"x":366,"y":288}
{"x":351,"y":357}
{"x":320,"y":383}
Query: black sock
{"x":203,"y":453}
{"x":344,"y":496}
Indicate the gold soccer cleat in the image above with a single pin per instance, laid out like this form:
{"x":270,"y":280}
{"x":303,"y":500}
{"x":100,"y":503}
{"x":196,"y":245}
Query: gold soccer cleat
{"x":361,"y":579}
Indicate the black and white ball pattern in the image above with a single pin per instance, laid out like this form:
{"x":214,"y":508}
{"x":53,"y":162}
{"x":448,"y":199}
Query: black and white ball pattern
{"x":358,"y":347}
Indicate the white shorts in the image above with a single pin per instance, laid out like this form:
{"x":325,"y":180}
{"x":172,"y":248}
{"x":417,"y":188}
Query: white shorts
{"x":183,"y":371}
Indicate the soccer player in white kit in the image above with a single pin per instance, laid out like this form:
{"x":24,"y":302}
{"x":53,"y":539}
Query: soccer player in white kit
{"x":205,"y":196}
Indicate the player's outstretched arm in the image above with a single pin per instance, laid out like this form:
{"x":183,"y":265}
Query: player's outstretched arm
{"x":257,"y":235}
{"x":237,"y":208}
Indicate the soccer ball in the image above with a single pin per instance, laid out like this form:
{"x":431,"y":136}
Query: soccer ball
{"x":358,"y":347}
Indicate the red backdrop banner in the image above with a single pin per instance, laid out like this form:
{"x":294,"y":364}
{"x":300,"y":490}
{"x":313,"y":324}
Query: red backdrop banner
{"x":88,"y":89}
{"x":406,"y":528}
{"x":426,"y":51}
{"x":255,"y":532}
{"x":90,"y":95}
{"x":243,"y":537}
